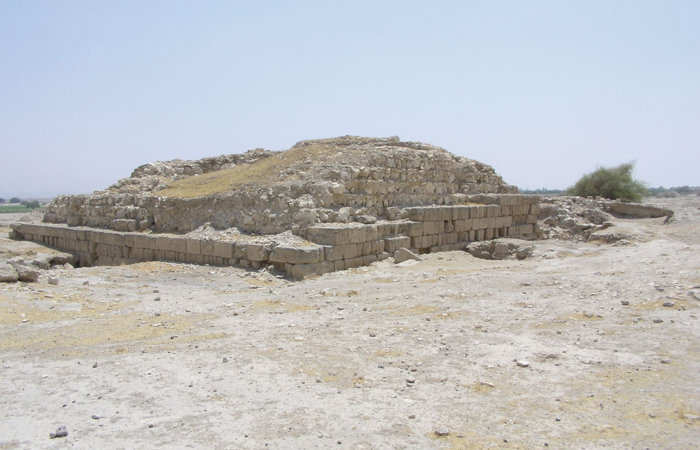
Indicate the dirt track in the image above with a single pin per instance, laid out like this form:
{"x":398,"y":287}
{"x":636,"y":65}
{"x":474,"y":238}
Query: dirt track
{"x":180,"y":356}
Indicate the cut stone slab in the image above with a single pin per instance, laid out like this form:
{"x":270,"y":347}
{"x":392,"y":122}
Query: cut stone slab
{"x":637,"y":210}
{"x":8,"y":274}
{"x":404,"y":254}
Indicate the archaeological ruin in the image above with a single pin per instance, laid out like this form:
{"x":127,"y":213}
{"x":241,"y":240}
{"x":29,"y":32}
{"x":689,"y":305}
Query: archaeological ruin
{"x":321,"y":206}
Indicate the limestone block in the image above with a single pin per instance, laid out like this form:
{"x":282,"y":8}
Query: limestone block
{"x":535,"y":209}
{"x":387,"y":229}
{"x":488,"y":234}
{"x":297,"y":255}
{"x":207,"y":247}
{"x":8,"y":274}
{"x":411,"y":228}
{"x":369,"y":259}
{"x":164,"y":243}
{"x":258,"y":252}
{"x":140,"y":241}
{"x":194,"y":247}
{"x":339,"y":265}
{"x":338,"y":252}
{"x":178,"y":245}
{"x":405,"y":254}
{"x":526,"y":229}
{"x":240,"y":250}
{"x":392,"y":244}
{"x":116,"y":239}
{"x":365,"y":248}
{"x":463,"y":225}
{"x":354,"y":262}
{"x":432,"y":214}
{"x":223,"y":250}
{"x":416,"y":213}
{"x":301,"y":271}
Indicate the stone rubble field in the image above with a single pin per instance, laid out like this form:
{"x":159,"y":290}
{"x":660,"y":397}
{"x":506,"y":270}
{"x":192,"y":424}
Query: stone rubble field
{"x":581,"y":345}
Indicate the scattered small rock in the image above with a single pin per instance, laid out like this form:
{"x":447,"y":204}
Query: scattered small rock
{"x":669,"y":304}
{"x":625,"y":303}
{"x":61,"y":431}
{"x":53,"y":281}
{"x":442,"y":432}
{"x":658,"y":321}
{"x":522,"y":363}
{"x":96,"y":416}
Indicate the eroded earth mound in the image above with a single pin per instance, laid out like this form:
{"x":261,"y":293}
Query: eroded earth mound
{"x":326,"y":180}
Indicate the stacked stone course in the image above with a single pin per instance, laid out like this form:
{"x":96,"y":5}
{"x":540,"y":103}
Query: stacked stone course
{"x":334,"y":246}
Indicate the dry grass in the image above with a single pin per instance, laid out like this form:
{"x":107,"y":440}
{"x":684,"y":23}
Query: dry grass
{"x":261,"y":173}
{"x":278,"y":307}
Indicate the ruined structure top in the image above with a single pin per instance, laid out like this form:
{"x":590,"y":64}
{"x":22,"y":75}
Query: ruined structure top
{"x":317,"y":181}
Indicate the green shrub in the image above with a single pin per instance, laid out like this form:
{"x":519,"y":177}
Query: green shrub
{"x":610,"y":182}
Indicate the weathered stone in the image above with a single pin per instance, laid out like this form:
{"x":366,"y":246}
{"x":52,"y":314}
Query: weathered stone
{"x":8,"y":274}
{"x":297,"y":255}
{"x":301,"y":271}
{"x":404,"y":254}
{"x":257,"y":252}
{"x":26,"y":273}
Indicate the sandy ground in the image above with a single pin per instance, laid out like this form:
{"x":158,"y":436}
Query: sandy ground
{"x":161,"y":355}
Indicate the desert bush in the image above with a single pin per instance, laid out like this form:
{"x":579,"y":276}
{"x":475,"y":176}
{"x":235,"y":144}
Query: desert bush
{"x":610,"y":182}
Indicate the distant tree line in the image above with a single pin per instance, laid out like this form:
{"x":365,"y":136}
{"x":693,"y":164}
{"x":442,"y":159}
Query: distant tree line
{"x":674,"y":191}
{"x":542,"y":191}
{"x":33,"y":204}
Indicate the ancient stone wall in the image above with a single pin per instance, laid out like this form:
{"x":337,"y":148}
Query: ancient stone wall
{"x":394,"y":177}
{"x":331,"y":247}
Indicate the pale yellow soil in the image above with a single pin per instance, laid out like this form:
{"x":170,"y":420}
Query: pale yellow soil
{"x":180,"y":356}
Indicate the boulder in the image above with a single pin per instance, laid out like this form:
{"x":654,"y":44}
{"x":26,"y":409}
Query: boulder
{"x":8,"y":274}
{"x":26,"y":273}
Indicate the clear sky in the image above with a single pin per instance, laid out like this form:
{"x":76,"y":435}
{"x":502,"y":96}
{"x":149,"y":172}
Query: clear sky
{"x":544,"y":91}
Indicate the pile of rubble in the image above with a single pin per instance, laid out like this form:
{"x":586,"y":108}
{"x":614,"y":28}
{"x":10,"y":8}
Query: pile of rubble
{"x":30,"y":269}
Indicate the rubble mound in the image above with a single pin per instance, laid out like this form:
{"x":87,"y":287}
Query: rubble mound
{"x":316,"y":181}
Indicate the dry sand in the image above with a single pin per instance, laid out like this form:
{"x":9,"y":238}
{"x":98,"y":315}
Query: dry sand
{"x":167,"y":355}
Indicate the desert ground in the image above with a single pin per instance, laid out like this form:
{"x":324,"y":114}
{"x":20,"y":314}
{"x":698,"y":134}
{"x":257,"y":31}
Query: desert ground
{"x":584,"y":345}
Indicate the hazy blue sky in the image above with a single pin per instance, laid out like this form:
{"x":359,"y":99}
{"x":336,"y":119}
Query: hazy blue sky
{"x":544,"y":91}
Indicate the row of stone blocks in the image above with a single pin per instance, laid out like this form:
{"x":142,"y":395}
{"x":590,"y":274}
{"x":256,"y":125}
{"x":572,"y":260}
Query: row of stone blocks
{"x":332,"y":247}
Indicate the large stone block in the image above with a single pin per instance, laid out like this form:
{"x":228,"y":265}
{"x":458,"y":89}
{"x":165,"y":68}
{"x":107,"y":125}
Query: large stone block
{"x":178,"y":245}
{"x":301,"y":271}
{"x":223,"y":249}
{"x":338,"y":252}
{"x":297,"y":255}
{"x":258,"y":252}
{"x":194,"y":247}
{"x":392,"y":244}
{"x":207,"y":247}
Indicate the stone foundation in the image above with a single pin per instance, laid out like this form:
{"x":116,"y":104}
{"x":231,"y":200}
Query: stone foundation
{"x":333,"y":246}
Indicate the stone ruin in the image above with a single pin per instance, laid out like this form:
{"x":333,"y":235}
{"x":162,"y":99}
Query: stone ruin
{"x":321,"y":206}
